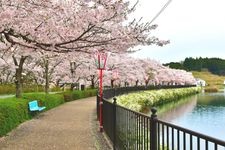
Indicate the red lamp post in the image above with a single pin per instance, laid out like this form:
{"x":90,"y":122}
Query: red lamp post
{"x":100,"y":61}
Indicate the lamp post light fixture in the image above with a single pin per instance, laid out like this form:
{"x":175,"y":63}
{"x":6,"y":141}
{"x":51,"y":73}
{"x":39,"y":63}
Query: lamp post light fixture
{"x":72,"y":67}
{"x":100,"y":61}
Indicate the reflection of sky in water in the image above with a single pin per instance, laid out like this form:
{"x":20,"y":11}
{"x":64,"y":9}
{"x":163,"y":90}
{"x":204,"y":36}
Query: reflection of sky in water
{"x":207,"y":117}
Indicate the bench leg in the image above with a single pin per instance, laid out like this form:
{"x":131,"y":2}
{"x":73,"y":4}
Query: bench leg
{"x":33,"y":113}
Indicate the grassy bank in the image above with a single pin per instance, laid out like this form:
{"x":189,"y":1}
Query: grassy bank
{"x":14,"y":111}
{"x":141,"y":100}
{"x":213,"y":81}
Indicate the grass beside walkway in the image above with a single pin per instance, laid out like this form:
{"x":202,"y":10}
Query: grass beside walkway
{"x":68,"y":126}
{"x":14,"y":111}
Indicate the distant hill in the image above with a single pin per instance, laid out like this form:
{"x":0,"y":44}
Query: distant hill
{"x":211,"y":79}
{"x":213,"y":65}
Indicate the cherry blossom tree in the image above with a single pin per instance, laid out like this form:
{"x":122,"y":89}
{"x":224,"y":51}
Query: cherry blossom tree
{"x":68,"y":31}
{"x":65,"y":26}
{"x":22,"y":63}
{"x":91,"y":74}
{"x":6,"y":73}
{"x":76,"y":68}
{"x":142,"y":71}
{"x":14,"y":57}
{"x":46,"y":64}
{"x":73,"y":25}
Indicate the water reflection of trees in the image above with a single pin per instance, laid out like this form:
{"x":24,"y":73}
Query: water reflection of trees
{"x":212,"y":99}
{"x":176,"y":109}
{"x":173,"y":110}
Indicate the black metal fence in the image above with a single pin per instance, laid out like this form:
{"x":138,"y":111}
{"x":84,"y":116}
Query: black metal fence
{"x":130,"y":130}
{"x":174,"y":137}
{"x":109,"y":93}
{"x":126,"y":129}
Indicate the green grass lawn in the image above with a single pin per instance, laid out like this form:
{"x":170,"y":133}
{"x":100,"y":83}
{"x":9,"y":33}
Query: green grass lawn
{"x":212,"y":80}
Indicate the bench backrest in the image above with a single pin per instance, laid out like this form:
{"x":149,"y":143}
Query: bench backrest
{"x":33,"y":104}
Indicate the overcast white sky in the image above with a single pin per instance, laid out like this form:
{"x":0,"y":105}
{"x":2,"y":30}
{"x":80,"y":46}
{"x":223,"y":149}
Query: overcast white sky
{"x":194,"y":27}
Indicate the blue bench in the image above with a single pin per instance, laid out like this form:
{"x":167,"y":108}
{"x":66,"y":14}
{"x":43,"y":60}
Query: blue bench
{"x":33,"y":106}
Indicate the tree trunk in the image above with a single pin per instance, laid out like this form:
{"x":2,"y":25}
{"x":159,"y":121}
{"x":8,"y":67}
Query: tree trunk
{"x":92,"y":82}
{"x":112,"y":81}
{"x":18,"y":75}
{"x":46,"y":76}
{"x":57,"y":83}
{"x":18,"y":82}
{"x":36,"y":82}
{"x":146,"y":82}
{"x":7,"y":78}
{"x":72,"y":86}
{"x":137,"y":82}
{"x":126,"y":84}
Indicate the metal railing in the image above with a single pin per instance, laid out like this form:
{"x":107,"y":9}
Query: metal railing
{"x":126,"y":129}
{"x":130,"y":130}
{"x":172,"y":137}
{"x":109,"y":93}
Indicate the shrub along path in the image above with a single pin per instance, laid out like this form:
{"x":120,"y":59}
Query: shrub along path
{"x":69,"y":126}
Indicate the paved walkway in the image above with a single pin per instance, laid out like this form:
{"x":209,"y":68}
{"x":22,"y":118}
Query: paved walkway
{"x":67,"y":127}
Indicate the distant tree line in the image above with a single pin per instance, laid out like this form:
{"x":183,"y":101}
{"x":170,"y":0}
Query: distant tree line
{"x":214,"y":65}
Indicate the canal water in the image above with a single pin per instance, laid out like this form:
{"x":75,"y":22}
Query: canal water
{"x":204,"y":113}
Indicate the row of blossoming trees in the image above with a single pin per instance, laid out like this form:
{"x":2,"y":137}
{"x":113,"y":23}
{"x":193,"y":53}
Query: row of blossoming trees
{"x":121,"y":71}
{"x":40,"y":39}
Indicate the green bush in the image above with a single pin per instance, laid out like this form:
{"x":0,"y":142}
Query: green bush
{"x":139,"y":101}
{"x":47,"y":100}
{"x":12,"y":112}
{"x":74,"y":95}
{"x":11,"y":89}
{"x":7,"y":89}
{"x":55,"y":89}
{"x":32,"y":88}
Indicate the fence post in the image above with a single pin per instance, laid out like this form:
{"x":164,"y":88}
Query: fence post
{"x":153,"y":129}
{"x":114,"y":123}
